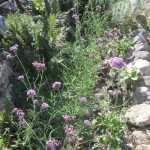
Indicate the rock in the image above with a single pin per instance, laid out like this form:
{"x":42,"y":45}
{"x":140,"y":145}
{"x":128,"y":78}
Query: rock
{"x":7,"y":93}
{"x":2,"y":24}
{"x":140,"y":64}
{"x":141,"y":47}
{"x":4,"y":76}
{"x":136,"y":32}
{"x":145,"y":81}
{"x":9,"y":5}
{"x":139,"y":115}
{"x":143,"y":147}
{"x":2,"y":1}
{"x":141,"y":136}
{"x":141,"y":95}
{"x":139,"y":38}
{"x":139,"y":55}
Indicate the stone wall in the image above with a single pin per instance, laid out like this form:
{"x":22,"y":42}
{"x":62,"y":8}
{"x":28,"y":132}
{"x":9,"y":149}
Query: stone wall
{"x":139,"y":114}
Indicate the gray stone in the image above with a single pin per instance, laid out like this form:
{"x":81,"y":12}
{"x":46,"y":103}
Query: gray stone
{"x":139,"y":115}
{"x":138,"y":31}
{"x":141,"y":95}
{"x":2,"y":1}
{"x":139,"y":38}
{"x":141,"y":136}
{"x":143,"y":147}
{"x":140,"y":64}
{"x":139,"y":55}
{"x":145,"y":81}
{"x":4,"y":76}
{"x":9,"y":5}
{"x":7,"y":93}
{"x":2,"y":24}
{"x":141,"y":47}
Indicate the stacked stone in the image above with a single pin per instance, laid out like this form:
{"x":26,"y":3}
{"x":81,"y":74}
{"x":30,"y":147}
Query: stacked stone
{"x":139,"y":114}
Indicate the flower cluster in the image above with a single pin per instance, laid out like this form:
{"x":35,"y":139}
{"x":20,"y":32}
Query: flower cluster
{"x":53,"y":143}
{"x":14,"y":48}
{"x":91,"y":55}
{"x":38,"y":66}
{"x":67,"y":118}
{"x":21,"y":78}
{"x":69,"y":129}
{"x":56,"y":85}
{"x":59,"y":46}
{"x":9,"y":56}
{"x":45,"y":105}
{"x":20,"y":114}
{"x":83,"y":100}
{"x":87,"y":123}
{"x":117,"y":62}
{"x":31,"y":93}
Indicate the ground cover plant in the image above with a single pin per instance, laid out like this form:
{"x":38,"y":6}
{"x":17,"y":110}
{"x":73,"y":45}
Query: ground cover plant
{"x":54,"y":58}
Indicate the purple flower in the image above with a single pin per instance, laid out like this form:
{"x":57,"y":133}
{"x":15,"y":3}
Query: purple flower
{"x":31,"y":93}
{"x":38,"y":66}
{"x":100,"y":40}
{"x":56,"y":85}
{"x":45,"y":105}
{"x":9,"y":56}
{"x":21,"y":78}
{"x":87,"y":123}
{"x":35,"y":101}
{"x":105,"y":33}
{"x":67,"y":118}
{"x":69,"y":129}
{"x":117,"y":62}
{"x":14,"y":48}
{"x":15,"y":110}
{"x":83,"y":100}
{"x":72,"y":9}
{"x":91,"y":55}
{"x":22,"y":122}
{"x":53,"y":143}
{"x":18,"y":112}
{"x":115,"y":29}
{"x":75,"y":16}
{"x":59,"y":46}
{"x":110,"y":35}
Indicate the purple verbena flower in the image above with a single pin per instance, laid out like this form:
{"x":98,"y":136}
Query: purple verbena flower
{"x":14,"y":48}
{"x":53,"y":143}
{"x":67,"y":118}
{"x":59,"y":46}
{"x":100,"y":40}
{"x":98,"y":7}
{"x":9,"y":56}
{"x":21,"y":78}
{"x":91,"y":55}
{"x":31,"y":93}
{"x":83,"y":100}
{"x":38,"y":66}
{"x":56,"y":85}
{"x":87,"y":122}
{"x":22,"y":122}
{"x":72,"y":9}
{"x":110,"y":35}
{"x":106,"y":33}
{"x":69,"y":129}
{"x":117,"y":62}
{"x":18,"y":112}
{"x":35,"y":101}
{"x":45,"y":105}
